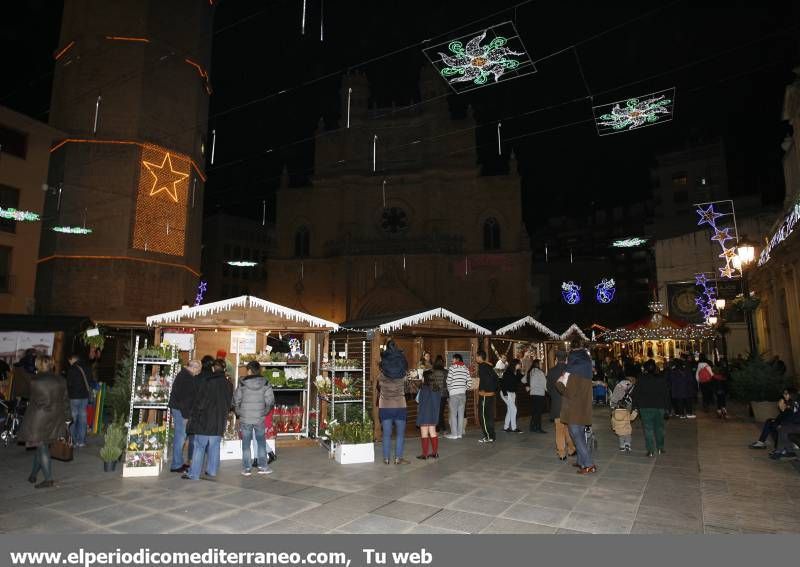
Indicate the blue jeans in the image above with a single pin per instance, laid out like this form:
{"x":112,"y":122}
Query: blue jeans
{"x":205,"y":445}
{"x":578,"y":434}
{"x":179,"y":423}
{"x":78,"y":427}
{"x":388,"y":417}
{"x":250,"y":430}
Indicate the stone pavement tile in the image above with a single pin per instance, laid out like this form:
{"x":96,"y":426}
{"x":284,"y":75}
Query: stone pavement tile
{"x":689,"y":517}
{"x":375,"y":524}
{"x":286,"y":526}
{"x":272,"y":486}
{"x":720,"y":530}
{"x":56,"y":524}
{"x":536,"y":514}
{"x":424,"y":529}
{"x":327,"y":516}
{"x":244,"y":498}
{"x":602,"y":506}
{"x":200,"y":529}
{"x":242,"y":520}
{"x":643,"y":527}
{"x":318,"y":494}
{"x":407,"y":511}
{"x":459,"y":521}
{"x":506,"y":526}
{"x":454,"y":487}
{"x":624,"y":484}
{"x":610,"y":495}
{"x":571,"y":477}
{"x":360,"y":502}
{"x":501,"y":494}
{"x":113,"y":514}
{"x":549,"y":500}
{"x":430,"y":497}
{"x":200,"y":511}
{"x":597,"y":524}
{"x":283,"y":506}
{"x":83,"y":503}
{"x":153,"y":524}
{"x":565,"y":531}
{"x":485,"y":506}
{"x":548,"y":487}
{"x":387,"y":490}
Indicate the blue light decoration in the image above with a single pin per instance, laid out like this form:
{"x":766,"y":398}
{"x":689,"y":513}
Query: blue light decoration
{"x":202,"y":287}
{"x":606,"y":290}
{"x":709,"y":215}
{"x":707,"y":301}
{"x":571,"y":292}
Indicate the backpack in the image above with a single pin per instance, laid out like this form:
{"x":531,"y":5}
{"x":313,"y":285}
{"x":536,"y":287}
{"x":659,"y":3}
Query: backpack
{"x":705,"y":374}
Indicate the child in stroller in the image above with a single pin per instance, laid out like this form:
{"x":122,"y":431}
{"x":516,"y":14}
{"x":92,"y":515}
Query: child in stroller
{"x":11,"y":418}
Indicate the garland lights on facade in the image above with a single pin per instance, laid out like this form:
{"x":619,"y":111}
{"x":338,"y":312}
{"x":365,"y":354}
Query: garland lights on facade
{"x":781,"y":234}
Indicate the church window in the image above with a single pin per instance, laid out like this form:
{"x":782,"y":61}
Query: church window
{"x":301,"y":242}
{"x":491,"y":234}
{"x":394,"y":220}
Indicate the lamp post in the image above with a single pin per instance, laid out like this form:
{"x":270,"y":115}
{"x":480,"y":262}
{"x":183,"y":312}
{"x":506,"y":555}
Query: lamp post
{"x":745,"y":254}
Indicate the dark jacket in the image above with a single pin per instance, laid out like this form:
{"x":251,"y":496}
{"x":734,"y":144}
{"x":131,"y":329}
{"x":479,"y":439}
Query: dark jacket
{"x":578,"y":392}
{"x":393,"y":363}
{"x":253,"y":399}
{"x":439,"y":380}
{"x":651,"y":391}
{"x":487,"y":378}
{"x":212,"y":402}
{"x":428,"y":408}
{"x":555,"y":396}
{"x":47,"y":414}
{"x":681,"y":383}
{"x":181,"y":397}
{"x":511,"y":380}
{"x":76,"y":387}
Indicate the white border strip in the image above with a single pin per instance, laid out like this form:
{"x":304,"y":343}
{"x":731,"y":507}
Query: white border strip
{"x":527,"y":320}
{"x":427,"y":316}
{"x":573,"y":328}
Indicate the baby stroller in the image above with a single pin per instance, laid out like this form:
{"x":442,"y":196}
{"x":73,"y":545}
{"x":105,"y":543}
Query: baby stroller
{"x":599,"y":393}
{"x":11,"y":415}
{"x":591,"y":440}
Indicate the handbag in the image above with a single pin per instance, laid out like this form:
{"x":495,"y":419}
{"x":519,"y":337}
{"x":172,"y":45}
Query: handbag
{"x":62,"y":449}
{"x":92,"y":393}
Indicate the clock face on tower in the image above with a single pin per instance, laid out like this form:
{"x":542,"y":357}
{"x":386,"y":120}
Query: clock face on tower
{"x":394,"y":220}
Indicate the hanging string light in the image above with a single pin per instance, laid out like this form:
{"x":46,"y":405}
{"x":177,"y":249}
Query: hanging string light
{"x":499,"y":140}
{"x":213,"y":144}
{"x":349,"y":94}
{"x":303,"y":19}
{"x":374,"y":153}
{"x":322,"y":20}
{"x":96,"y":113}
{"x":383,"y":191}
{"x":264,"y":212}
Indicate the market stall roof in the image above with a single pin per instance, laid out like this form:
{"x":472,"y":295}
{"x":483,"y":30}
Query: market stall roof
{"x":437,"y":320}
{"x":242,"y":311}
{"x":658,"y":326}
{"x":527,"y":321}
{"x":573,"y":331}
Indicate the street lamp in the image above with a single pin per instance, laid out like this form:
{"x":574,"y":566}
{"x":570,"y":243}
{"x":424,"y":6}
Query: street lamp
{"x":720,"y":303}
{"x":712,"y":320}
{"x":745,"y":254}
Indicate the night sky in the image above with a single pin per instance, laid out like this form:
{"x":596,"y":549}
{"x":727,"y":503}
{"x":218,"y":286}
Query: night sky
{"x":730,"y":67}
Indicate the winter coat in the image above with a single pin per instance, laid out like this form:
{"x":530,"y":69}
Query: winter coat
{"x":391,"y":392}
{"x":439,"y":380}
{"x":458,"y":379}
{"x":652,"y":391}
{"x":253,"y":400}
{"x":393,"y":363}
{"x":76,"y":387}
{"x":487,"y":378}
{"x":429,"y":402}
{"x":211,"y":405}
{"x":578,"y":390}
{"x":511,"y":380}
{"x":621,"y":419}
{"x":682,"y":384}
{"x":48,"y":411}
{"x":182,"y":394}
{"x":555,"y":396}
{"x":537,"y":382}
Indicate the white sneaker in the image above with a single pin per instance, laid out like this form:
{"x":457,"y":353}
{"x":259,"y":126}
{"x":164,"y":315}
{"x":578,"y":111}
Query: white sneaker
{"x":449,"y":436}
{"x":246,"y":472}
{"x":264,"y":470}
{"x":691,"y":416}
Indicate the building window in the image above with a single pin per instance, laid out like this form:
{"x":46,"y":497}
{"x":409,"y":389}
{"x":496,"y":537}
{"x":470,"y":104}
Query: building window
{"x":9,"y":198}
{"x":680,"y":179}
{"x":681,"y":196}
{"x":5,"y":269}
{"x":491,"y":234}
{"x":13,"y":142}
{"x":394,"y":220}
{"x":301,"y":243}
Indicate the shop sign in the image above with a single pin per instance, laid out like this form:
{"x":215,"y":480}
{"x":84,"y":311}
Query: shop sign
{"x":243,"y":342}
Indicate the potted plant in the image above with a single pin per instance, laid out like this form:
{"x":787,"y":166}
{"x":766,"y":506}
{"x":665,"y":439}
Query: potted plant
{"x":759,"y":384}
{"x":112,"y":449}
{"x":353,"y":441}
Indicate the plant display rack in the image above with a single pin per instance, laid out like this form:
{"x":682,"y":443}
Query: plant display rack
{"x":341,"y":367}
{"x":152,"y":374}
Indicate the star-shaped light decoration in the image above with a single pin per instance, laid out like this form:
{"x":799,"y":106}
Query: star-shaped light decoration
{"x":700,"y":280}
{"x":708,"y":215}
{"x":729,"y":254}
{"x":722,"y":235}
{"x":634,"y":113}
{"x":727,"y":271}
{"x":165,"y":178}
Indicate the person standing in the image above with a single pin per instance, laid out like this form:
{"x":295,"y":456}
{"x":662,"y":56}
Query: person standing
{"x":487,"y":391}
{"x":46,"y":418}
{"x":458,"y":382}
{"x":576,"y":387}
{"x":429,"y":402}
{"x":439,"y":384}
{"x":537,"y":386}
{"x":181,"y":398}
{"x":78,"y":390}
{"x":207,"y":421}
{"x":564,"y":445}
{"x":512,"y":378}
{"x":704,"y":376}
{"x":392,"y":411}
{"x":651,"y":398}
{"x":252,"y":401}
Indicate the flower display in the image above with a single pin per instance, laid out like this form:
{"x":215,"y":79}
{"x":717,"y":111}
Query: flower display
{"x":147,"y":437}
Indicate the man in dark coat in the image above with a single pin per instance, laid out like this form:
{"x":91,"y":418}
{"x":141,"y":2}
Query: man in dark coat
{"x":181,"y":398}
{"x":208,"y":419}
{"x":576,"y":387}
{"x":564,"y":444}
{"x":78,"y":376}
{"x":652,"y":398}
{"x":487,"y":391}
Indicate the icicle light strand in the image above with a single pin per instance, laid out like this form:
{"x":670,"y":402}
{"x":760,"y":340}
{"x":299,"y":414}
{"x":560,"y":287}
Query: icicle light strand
{"x":427,"y":316}
{"x":524,"y":322}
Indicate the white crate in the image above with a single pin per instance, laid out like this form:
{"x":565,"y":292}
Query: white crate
{"x":231,"y":449}
{"x":131,"y":472}
{"x":350,"y":454}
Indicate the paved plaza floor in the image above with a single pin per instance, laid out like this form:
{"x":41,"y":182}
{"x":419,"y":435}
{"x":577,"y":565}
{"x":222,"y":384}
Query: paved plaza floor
{"x":708,"y":481}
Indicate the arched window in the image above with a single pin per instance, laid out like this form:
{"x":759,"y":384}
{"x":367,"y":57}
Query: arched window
{"x":491,"y":234}
{"x":301,"y":246}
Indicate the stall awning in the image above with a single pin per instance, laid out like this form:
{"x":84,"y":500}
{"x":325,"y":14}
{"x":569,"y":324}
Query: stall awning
{"x":242,"y":311}
{"x":527,"y":321}
{"x":573,"y":331}
{"x":397,"y":322}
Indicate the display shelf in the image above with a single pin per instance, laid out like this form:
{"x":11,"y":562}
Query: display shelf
{"x":344,"y":369}
{"x":274,"y":389}
{"x":154,"y":362}
{"x":145,"y":405}
{"x":335,"y":400}
{"x":332,"y":399}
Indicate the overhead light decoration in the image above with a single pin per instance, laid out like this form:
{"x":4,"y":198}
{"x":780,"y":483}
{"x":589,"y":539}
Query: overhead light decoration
{"x":72,"y":230}
{"x":202,"y":287}
{"x":242,"y":263}
{"x":655,"y":307}
{"x":495,"y":55}
{"x":571,"y":292}
{"x":709,"y":215}
{"x":632,"y":242}
{"x":17,"y":215}
{"x":786,"y":228}
{"x":606,"y":290}
{"x":692,"y":332}
{"x":634,"y":113}
{"x":706,"y":301}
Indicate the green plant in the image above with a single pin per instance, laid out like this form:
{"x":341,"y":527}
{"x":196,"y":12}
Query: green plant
{"x":351,"y":432}
{"x":118,"y":396}
{"x":757,"y":381}
{"x":97,"y":341}
{"x":745,"y":304}
{"x":114,"y":441}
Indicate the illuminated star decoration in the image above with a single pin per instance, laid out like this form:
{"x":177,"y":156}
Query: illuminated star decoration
{"x":491,"y":56}
{"x":165,"y":178}
{"x":706,"y":301}
{"x":634,"y":113}
{"x":722,"y":234}
{"x":606,"y":290}
{"x":16,"y":215}
{"x":202,"y":287}
{"x":571,"y":292}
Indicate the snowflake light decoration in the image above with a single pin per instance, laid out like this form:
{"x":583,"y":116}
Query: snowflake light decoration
{"x":706,"y":301}
{"x":72,"y":230}
{"x":571,"y":292}
{"x":709,"y":214}
{"x":606,"y":290}
{"x":17,"y":215}
{"x":634,"y":113}
{"x":494,"y":55}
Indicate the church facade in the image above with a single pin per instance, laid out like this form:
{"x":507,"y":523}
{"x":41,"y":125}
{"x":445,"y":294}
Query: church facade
{"x":399,"y":219}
